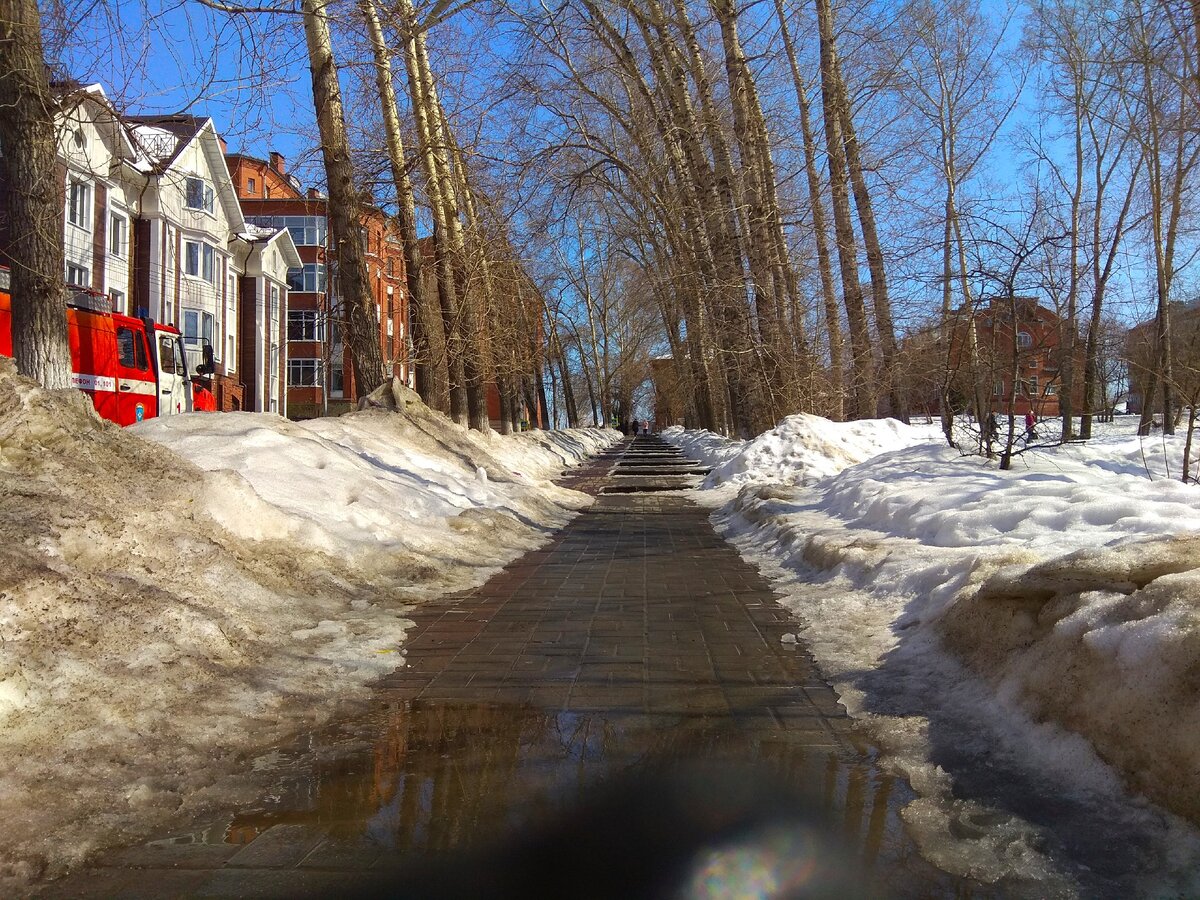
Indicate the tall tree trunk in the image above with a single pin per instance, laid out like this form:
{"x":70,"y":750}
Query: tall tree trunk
{"x":344,"y":206}
{"x":762,"y":243}
{"x":429,"y":338}
{"x":860,"y":338}
{"x":833,"y":323}
{"x":1066,"y":396}
{"x":443,"y":210}
{"x":28,"y":147}
{"x":880,"y":300}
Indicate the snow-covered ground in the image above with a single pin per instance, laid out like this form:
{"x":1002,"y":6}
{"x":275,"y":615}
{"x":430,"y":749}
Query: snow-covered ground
{"x":1039,"y":625}
{"x":177,"y":596}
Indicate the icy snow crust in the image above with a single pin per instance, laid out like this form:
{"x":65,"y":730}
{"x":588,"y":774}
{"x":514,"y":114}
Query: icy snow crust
{"x":177,"y":597}
{"x":1068,"y":589}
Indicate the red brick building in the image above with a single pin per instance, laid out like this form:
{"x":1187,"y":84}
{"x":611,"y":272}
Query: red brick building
{"x":320,"y":376}
{"x":1037,"y":331}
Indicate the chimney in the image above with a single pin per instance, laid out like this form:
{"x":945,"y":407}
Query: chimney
{"x":315,"y":194}
{"x":277,"y":162}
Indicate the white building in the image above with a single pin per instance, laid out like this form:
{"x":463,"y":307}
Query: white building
{"x":152,"y":220}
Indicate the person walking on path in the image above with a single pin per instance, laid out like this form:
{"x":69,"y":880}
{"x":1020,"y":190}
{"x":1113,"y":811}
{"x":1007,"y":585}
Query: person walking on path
{"x":1030,"y":426}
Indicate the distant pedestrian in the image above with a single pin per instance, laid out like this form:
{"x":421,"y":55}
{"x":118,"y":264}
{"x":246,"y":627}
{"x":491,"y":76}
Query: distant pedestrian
{"x":1030,"y":426}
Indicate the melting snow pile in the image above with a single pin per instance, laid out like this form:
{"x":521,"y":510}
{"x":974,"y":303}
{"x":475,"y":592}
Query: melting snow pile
{"x":165,"y":611}
{"x":799,"y":450}
{"x":1070,"y":584}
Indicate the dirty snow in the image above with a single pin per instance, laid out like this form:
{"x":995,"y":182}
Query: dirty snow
{"x":1041,"y":624}
{"x":175,"y":598}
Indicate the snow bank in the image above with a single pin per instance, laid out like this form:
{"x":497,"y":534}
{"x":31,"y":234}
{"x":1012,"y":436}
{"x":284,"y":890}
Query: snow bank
{"x":1067,"y":585}
{"x":167,"y":610}
{"x":799,"y":450}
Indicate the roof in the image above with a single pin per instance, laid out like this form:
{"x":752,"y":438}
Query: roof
{"x":164,"y":137}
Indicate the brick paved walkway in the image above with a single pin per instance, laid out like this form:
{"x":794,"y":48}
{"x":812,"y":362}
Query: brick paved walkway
{"x":636,"y":636}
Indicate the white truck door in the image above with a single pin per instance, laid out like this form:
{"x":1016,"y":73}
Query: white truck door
{"x":172,"y":380}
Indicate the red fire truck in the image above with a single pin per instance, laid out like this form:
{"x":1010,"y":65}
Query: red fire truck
{"x":133,"y":369}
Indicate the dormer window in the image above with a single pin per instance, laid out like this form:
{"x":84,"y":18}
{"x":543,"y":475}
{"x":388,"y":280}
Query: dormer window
{"x":251,"y":185}
{"x":199,"y":194}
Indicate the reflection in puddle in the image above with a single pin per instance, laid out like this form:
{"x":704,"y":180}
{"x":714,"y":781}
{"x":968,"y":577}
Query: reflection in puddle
{"x":419,"y":777}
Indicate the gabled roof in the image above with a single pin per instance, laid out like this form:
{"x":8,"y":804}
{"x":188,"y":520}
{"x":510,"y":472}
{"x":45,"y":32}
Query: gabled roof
{"x":71,"y":94}
{"x":257,"y":236}
{"x":164,"y":138}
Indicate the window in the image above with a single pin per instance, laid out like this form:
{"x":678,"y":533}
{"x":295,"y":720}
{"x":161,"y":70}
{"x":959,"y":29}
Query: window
{"x":198,"y":194}
{"x":391,"y":267}
{"x":310,"y":278}
{"x":1031,"y":386}
{"x":337,"y":380}
{"x":118,"y":234}
{"x":77,"y":276}
{"x":199,"y":260}
{"x":1051,"y":390}
{"x":304,"y":373}
{"x":131,"y":351}
{"x":274,"y":303}
{"x":198,"y":326}
{"x":306,"y":231}
{"x":1024,"y":340}
{"x":251,"y":186}
{"x":79,"y":204}
{"x":166,"y":353}
{"x":304,"y":325}
{"x":118,"y":301}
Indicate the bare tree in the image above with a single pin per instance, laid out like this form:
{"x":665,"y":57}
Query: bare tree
{"x":35,"y":197}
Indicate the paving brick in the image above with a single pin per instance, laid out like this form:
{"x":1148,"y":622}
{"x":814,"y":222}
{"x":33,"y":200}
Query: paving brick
{"x":636,"y":636}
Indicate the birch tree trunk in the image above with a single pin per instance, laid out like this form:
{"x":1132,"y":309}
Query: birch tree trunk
{"x":833,"y":323}
{"x":866,"y":217}
{"x":354,"y":282}
{"x":860,"y":339}
{"x":443,"y":210}
{"x":28,"y":147}
{"x":429,"y":339}
{"x":478,"y":305}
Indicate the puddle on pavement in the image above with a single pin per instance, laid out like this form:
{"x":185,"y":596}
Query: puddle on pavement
{"x":416,"y":779}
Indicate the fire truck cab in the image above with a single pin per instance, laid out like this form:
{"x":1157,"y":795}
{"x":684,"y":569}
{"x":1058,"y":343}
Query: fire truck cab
{"x":133,"y":369}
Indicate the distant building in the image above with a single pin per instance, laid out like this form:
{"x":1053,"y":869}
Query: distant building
{"x":1141,"y":342}
{"x":320,"y":375}
{"x":529,"y":411}
{"x":1033,"y":336}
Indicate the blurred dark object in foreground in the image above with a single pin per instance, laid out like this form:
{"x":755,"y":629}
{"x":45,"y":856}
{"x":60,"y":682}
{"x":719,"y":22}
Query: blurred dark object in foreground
{"x":695,"y":833}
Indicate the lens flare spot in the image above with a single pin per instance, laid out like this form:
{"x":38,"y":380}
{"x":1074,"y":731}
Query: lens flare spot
{"x":768,"y":866}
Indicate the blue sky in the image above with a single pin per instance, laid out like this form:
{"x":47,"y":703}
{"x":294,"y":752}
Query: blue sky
{"x":249,"y":73}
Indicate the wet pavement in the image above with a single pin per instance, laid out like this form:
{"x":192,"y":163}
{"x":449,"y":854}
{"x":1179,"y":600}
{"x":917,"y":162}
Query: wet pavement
{"x":636,"y":644}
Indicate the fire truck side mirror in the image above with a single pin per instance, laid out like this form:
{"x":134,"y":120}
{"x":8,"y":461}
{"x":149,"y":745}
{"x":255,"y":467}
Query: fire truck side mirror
{"x":209,"y":365}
